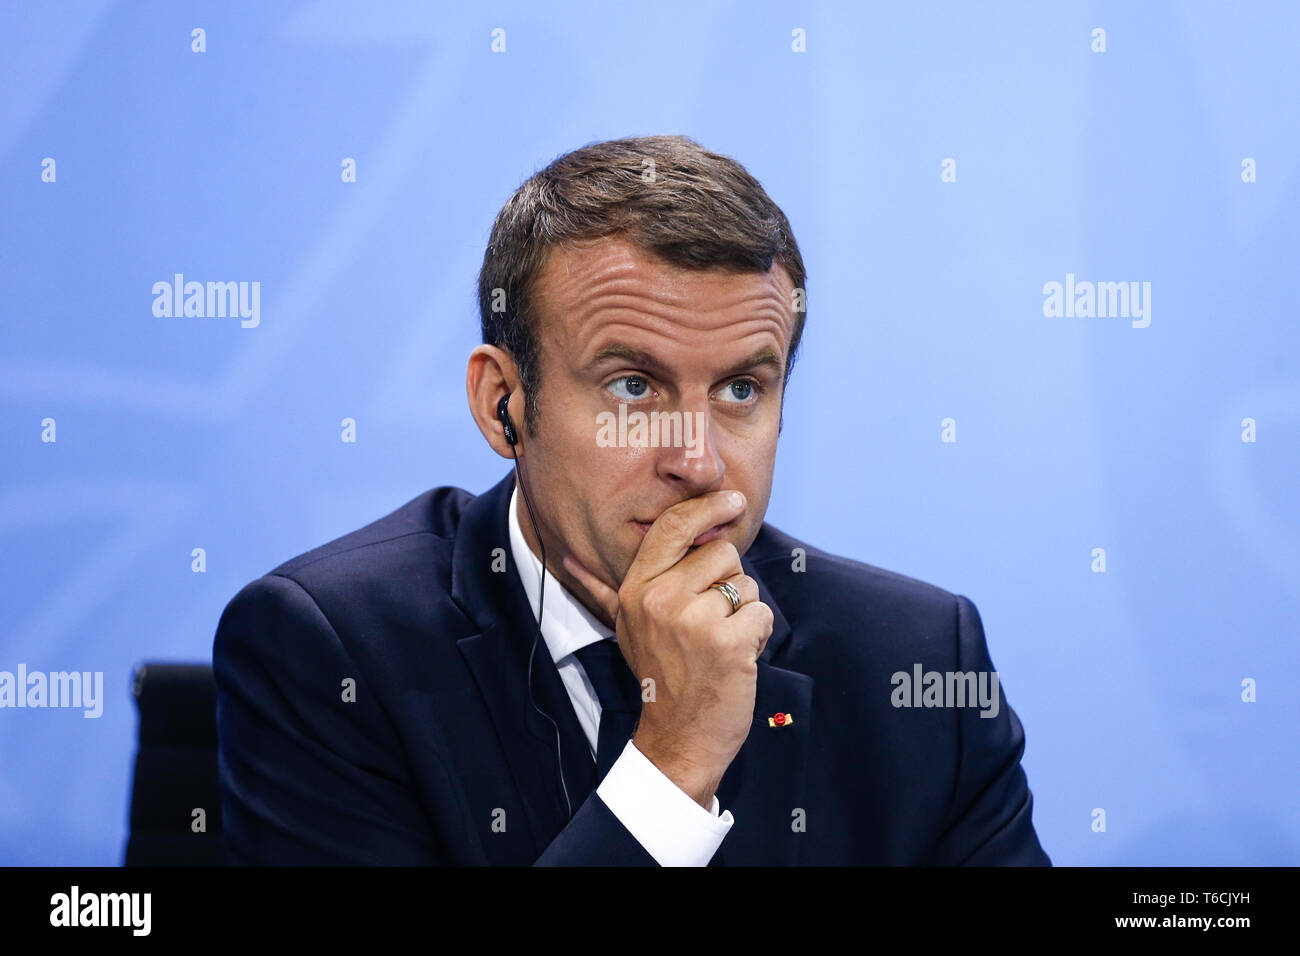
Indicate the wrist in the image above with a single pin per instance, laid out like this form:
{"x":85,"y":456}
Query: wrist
{"x":697,"y":778}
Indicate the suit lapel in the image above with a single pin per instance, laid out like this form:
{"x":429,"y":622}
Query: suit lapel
{"x":498,"y":658}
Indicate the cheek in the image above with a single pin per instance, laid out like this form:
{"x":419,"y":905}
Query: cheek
{"x":596,"y":489}
{"x":752,"y":460}
{"x":751,"y":473}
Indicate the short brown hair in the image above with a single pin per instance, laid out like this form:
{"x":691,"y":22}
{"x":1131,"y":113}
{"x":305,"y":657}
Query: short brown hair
{"x":666,"y":194}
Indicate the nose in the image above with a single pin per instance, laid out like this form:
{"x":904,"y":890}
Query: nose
{"x":690,"y":461}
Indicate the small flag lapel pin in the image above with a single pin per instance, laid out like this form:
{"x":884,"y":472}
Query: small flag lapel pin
{"x":781,"y":720}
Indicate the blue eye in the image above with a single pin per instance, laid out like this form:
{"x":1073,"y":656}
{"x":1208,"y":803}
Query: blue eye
{"x":634,"y":388}
{"x":738,"y":392}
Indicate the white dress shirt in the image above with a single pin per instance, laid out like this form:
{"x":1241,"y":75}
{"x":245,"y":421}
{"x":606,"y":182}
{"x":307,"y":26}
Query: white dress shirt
{"x":663,"y":818}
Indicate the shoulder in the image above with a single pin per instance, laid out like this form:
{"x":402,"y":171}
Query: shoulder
{"x":361,"y":589}
{"x":420,"y":533}
{"x":433,"y":514}
{"x":392,"y":568}
{"x":835,"y":597}
{"x":781,"y":557}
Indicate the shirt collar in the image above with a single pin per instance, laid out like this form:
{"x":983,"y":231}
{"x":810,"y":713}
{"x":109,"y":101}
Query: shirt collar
{"x":567,"y":626}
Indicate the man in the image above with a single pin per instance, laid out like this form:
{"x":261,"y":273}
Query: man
{"x":692,"y":686}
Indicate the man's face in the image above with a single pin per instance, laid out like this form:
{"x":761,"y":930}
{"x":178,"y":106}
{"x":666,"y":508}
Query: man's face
{"x":618,"y":327}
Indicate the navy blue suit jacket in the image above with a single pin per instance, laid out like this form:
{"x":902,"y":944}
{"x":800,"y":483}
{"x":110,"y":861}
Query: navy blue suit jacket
{"x":372,"y":708}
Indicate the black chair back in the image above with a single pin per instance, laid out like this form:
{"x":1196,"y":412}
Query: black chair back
{"x":175,"y":768}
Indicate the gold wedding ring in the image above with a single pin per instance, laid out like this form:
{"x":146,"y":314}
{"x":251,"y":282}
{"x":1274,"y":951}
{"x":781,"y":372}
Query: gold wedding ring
{"x":729,"y":592}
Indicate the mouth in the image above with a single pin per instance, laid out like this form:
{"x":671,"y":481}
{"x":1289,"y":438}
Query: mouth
{"x":717,"y":531}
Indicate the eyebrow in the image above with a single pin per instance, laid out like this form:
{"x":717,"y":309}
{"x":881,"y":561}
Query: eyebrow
{"x":764,"y":357}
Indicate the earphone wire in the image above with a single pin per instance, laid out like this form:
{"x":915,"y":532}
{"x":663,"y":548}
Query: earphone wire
{"x":541,"y":604}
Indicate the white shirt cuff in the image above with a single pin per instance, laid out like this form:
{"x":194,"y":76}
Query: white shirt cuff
{"x":672,"y":827}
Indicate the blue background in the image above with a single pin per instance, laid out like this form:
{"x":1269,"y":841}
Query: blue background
{"x":925,"y":302}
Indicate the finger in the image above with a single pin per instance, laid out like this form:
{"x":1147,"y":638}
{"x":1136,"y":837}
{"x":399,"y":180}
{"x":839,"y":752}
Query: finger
{"x":600,"y":592}
{"x":743,"y":583}
{"x":754,"y":620}
{"x":672,"y":533}
{"x":716,"y":560}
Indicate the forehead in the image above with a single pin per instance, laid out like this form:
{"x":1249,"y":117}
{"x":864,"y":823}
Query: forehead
{"x":592,"y":294}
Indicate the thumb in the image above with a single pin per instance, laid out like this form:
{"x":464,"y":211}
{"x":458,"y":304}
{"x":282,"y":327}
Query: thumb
{"x":605,"y":596}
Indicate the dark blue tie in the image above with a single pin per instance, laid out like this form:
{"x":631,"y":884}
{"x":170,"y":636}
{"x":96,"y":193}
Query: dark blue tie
{"x":620,"y":699}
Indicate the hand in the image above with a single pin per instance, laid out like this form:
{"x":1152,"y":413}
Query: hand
{"x":674,"y":628}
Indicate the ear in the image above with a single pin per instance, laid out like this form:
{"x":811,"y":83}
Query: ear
{"x":490,"y":375}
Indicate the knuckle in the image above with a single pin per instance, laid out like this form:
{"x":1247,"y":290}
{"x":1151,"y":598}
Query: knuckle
{"x":656,"y":601}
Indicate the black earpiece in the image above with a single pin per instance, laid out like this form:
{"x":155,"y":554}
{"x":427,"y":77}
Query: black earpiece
{"x":503,"y":413}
